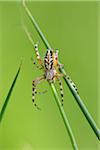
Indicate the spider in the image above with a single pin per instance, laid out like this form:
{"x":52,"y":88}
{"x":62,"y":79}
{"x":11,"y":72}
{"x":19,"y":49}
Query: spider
{"x":50,"y":67}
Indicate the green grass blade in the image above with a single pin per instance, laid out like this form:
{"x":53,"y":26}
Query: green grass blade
{"x":77,"y":97}
{"x":28,"y":35}
{"x":82,"y":106}
{"x":74,"y":145}
{"x":36,"y":26}
{"x":64,"y":117}
{"x":8,"y":95}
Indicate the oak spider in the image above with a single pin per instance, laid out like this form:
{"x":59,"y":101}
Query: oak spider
{"x":50,"y":67}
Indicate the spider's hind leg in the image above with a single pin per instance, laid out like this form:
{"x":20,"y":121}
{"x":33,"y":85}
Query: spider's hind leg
{"x":61,"y":91}
{"x":72,"y":83}
{"x":34,"y":90}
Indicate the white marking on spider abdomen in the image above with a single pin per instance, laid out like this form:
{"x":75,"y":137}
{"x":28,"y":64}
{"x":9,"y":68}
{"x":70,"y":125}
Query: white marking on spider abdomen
{"x":48,"y":60}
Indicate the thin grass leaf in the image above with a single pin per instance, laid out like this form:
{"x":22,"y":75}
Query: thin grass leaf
{"x":28,"y":35}
{"x":76,"y":96}
{"x":82,"y":107}
{"x":64,"y":117}
{"x":36,"y":26}
{"x":9,"y":94}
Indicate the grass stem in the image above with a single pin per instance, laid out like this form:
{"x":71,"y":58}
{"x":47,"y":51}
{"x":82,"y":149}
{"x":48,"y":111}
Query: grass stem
{"x":36,"y":25}
{"x":82,"y":106}
{"x":64,"y":117}
{"x":9,"y":94}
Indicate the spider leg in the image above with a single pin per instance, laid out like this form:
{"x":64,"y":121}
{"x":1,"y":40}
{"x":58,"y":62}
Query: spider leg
{"x":72,"y":83}
{"x":34,"y":90}
{"x":61,"y":90}
{"x":43,"y":92}
{"x":69,"y":79}
{"x":38,"y":55}
{"x":37,"y":66}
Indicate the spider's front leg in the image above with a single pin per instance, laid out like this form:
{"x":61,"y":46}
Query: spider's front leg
{"x":34,"y":90}
{"x":37,"y":66}
{"x":38,"y":55}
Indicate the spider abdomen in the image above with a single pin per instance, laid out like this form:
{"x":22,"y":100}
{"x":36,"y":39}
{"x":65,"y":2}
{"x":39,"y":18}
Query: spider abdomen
{"x":49,"y":74}
{"x":48,"y":60}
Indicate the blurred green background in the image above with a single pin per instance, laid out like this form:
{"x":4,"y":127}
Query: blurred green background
{"x":72,"y":27}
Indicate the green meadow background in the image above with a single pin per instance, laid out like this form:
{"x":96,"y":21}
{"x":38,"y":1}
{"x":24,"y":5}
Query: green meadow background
{"x":72,"y":27}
